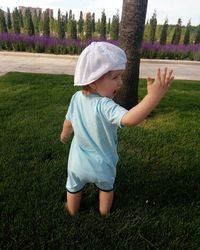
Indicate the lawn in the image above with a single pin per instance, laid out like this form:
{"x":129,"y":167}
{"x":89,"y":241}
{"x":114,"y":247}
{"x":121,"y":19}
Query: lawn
{"x":157,"y":192}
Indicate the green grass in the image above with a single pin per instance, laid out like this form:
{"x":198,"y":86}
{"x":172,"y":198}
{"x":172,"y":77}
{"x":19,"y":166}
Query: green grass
{"x":157,"y":192}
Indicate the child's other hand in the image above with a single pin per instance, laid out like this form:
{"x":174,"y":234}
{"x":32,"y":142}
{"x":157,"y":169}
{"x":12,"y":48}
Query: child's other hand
{"x":63,"y":139}
{"x":158,"y":87}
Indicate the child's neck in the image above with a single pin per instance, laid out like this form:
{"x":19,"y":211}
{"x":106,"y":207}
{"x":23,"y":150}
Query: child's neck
{"x":88,"y":91}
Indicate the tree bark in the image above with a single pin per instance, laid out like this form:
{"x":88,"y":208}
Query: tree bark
{"x":131,"y":36}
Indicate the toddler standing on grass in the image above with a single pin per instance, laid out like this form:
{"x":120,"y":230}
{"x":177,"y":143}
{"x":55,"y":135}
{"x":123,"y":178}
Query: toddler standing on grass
{"x":94,"y":117}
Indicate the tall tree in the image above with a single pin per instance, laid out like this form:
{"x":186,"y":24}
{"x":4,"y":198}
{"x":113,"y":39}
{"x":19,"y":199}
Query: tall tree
{"x":70,"y":24}
{"x":16,"y":21}
{"x":80,"y":23}
{"x":177,"y":32}
{"x":28,"y":23}
{"x":41,"y":22}
{"x":131,"y":34}
{"x":60,"y":26}
{"x":197,"y":36}
{"x":88,"y":26}
{"x":146,"y":32}
{"x":21,"y":19}
{"x":108,"y":26}
{"x":40,"y":15}
{"x":59,"y":15}
{"x":98,"y":26}
{"x":114,"y":30}
{"x":93,"y":23}
{"x":153,"y":25}
{"x":36,"y":23}
{"x":186,"y":39}
{"x":3,"y":26}
{"x":61,"y":29}
{"x":74,"y":28}
{"x":163,"y":35}
{"x":9,"y":22}
{"x":103,"y":25}
{"x":53,"y":26}
{"x":66,"y":21}
{"x":46,"y":29}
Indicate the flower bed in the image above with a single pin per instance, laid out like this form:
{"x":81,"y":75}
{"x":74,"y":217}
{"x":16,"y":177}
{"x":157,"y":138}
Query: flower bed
{"x":42,"y":44}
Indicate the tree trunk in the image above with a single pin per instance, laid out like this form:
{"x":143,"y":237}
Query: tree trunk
{"x":131,"y":36}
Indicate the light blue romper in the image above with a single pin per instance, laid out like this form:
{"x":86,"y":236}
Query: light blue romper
{"x":93,"y":154}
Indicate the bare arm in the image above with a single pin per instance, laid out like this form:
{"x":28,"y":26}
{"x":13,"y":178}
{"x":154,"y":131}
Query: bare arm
{"x":156,"y":89}
{"x":66,"y":132}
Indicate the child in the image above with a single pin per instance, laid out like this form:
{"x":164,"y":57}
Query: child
{"x":94,"y":117}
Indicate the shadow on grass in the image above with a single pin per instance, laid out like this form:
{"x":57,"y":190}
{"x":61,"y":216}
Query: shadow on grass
{"x":158,"y":188}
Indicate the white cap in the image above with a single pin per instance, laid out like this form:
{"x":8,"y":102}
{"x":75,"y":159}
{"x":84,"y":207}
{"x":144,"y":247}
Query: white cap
{"x":97,"y":59}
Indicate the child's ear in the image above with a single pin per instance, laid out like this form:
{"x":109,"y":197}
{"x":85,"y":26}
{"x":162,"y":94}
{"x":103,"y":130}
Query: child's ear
{"x":93,"y":86}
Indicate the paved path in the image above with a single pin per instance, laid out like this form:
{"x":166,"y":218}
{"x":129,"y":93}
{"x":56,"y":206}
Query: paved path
{"x":65,"y":64}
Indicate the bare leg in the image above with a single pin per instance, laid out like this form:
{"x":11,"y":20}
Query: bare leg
{"x":105,"y":202}
{"x":73,"y":203}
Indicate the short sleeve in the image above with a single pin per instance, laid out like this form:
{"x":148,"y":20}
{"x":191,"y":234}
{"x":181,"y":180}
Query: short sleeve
{"x":112,"y":112}
{"x":68,"y":115}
